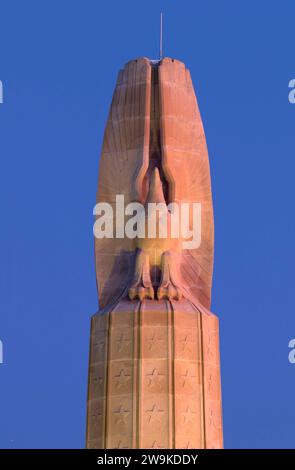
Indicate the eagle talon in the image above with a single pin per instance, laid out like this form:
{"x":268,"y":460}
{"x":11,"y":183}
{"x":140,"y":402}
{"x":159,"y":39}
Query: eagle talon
{"x":141,"y":287}
{"x":141,"y":293}
{"x":169,"y":291}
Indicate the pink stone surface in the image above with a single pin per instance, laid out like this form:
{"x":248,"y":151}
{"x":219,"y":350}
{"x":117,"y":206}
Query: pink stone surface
{"x":154,"y":371}
{"x":155,"y":377}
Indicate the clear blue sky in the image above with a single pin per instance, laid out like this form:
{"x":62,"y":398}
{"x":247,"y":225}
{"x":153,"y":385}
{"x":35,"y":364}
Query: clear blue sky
{"x":58,"y":65}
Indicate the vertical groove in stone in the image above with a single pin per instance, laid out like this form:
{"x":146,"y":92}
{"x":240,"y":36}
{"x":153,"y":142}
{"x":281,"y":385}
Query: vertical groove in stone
{"x":88,"y":387}
{"x":203,"y":417}
{"x":136,"y":367}
{"x":172,"y":357}
{"x":107,"y":396}
{"x":169,"y":372}
{"x":139,"y":391}
{"x":212,"y":386}
{"x":96,"y":387}
{"x":88,"y":424}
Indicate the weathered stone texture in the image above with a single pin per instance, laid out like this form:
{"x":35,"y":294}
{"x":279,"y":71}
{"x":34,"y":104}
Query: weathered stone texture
{"x":154,"y":377}
{"x":154,"y":371}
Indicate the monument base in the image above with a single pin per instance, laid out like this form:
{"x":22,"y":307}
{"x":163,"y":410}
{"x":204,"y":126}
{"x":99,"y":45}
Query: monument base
{"x":154,"y":377}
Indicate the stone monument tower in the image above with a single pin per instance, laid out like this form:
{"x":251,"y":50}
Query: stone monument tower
{"x":154,"y":371}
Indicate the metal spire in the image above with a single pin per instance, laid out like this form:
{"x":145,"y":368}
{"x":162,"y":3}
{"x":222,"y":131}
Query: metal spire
{"x":161,"y":36}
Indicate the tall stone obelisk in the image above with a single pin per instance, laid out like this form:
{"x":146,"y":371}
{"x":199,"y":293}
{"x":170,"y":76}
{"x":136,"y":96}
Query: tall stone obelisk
{"x":154,"y":371}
